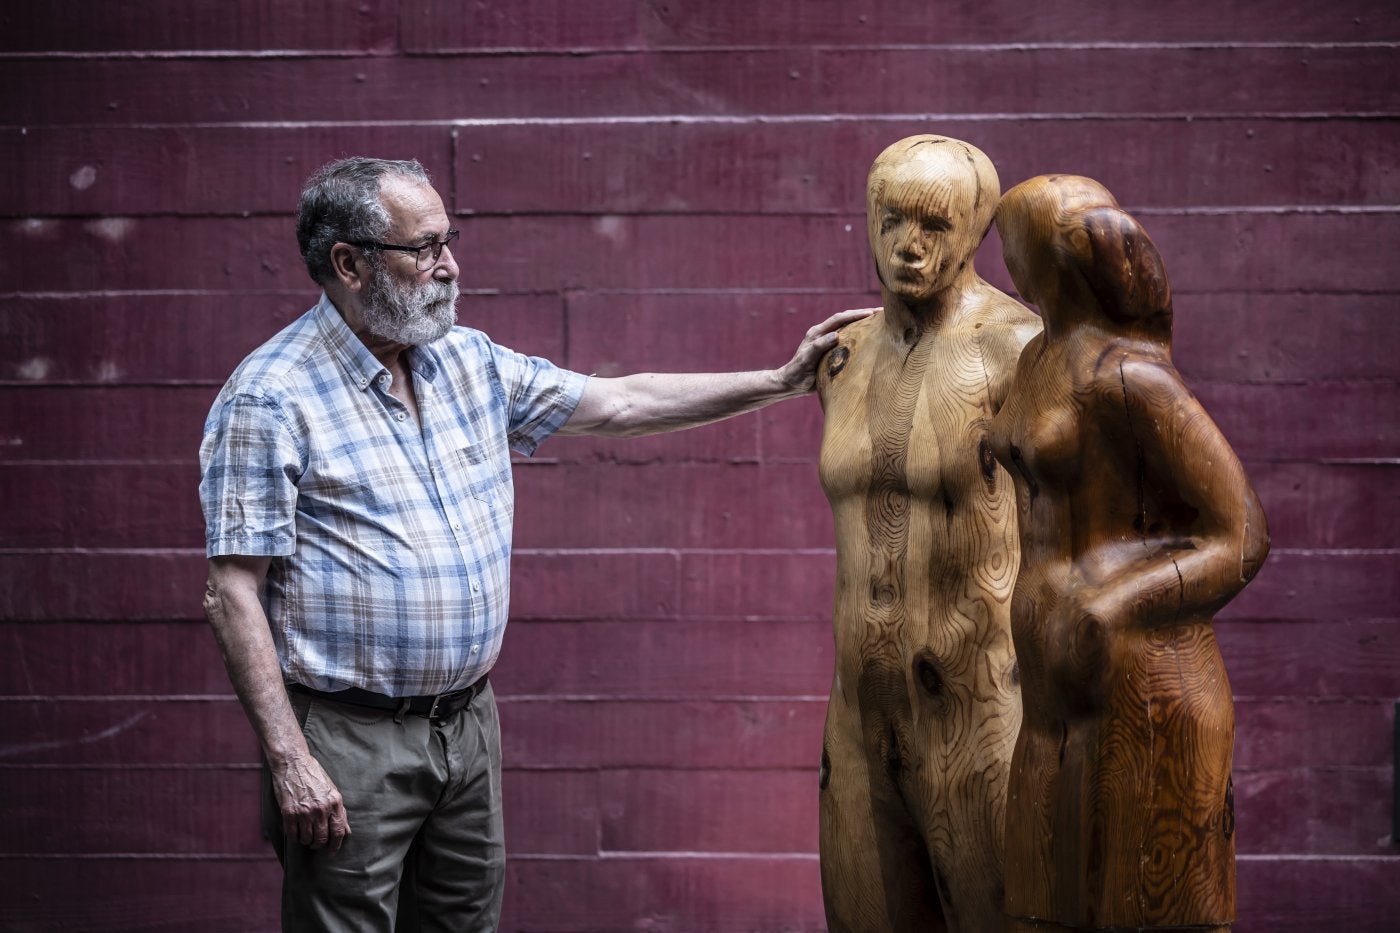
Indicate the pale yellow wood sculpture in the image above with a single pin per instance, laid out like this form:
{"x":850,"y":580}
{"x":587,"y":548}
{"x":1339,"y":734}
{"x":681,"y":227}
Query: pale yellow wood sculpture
{"x":924,"y":706}
{"x":1137,"y":525}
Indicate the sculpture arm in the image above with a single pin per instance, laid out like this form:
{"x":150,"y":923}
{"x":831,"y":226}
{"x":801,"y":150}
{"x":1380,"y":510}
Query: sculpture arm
{"x":1188,"y":568}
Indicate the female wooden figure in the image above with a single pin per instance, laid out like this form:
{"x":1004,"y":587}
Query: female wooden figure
{"x":1137,"y":524}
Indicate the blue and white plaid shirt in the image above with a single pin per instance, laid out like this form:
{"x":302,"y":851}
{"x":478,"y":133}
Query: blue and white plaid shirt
{"x":390,"y":546}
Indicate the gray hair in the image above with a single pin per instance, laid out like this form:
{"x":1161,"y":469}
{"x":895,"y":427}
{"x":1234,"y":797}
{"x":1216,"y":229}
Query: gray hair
{"x":340,"y":204}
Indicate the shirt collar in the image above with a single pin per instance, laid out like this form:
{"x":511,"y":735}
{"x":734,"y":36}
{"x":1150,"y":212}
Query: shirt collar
{"x":353,"y":356}
{"x":362,"y":366}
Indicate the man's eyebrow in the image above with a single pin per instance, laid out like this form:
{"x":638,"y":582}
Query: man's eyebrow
{"x":429,"y":236}
{"x":939,"y":222}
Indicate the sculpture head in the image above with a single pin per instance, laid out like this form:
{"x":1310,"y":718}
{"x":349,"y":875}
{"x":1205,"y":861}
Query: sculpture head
{"x":929,"y":202}
{"x":1066,"y":240}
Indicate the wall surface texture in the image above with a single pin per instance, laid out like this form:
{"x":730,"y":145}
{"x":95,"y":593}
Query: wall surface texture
{"x":660,"y":184}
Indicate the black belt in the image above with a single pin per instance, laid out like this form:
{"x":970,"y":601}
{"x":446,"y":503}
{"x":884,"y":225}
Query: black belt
{"x":442,"y":706}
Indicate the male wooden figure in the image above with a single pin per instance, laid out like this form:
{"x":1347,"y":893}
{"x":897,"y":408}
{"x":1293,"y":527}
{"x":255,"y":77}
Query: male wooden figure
{"x":1137,"y":525}
{"x":924,"y":706}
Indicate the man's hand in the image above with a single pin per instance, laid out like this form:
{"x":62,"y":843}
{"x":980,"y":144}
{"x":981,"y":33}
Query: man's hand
{"x":313,"y":813}
{"x":801,"y":371}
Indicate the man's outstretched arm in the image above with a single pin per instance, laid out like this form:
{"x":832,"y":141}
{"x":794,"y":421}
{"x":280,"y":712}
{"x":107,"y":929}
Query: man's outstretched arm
{"x":651,"y":403}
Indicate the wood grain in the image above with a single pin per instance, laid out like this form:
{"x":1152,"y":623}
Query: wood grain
{"x":1137,"y":524}
{"x":924,"y":709}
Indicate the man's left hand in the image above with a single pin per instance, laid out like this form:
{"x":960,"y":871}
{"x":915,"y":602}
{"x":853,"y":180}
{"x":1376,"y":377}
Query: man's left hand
{"x":801,"y":371}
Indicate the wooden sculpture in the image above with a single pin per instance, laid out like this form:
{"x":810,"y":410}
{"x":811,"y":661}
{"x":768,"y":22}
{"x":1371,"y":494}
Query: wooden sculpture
{"x":1137,"y":525}
{"x":924,"y":706}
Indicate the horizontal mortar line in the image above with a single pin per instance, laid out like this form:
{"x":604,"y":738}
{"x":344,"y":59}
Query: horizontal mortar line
{"x":1336,"y":552}
{"x":501,"y":697}
{"x":138,"y":766}
{"x":1319,"y":769}
{"x":51,"y":462}
{"x":212,"y":292}
{"x":654,"y":699}
{"x":1293,"y":699}
{"x":568,"y":292}
{"x":720,"y":119}
{"x":639,"y":50}
{"x":120,"y":384}
{"x":112,"y":384}
{"x":648,"y":698}
{"x":1289,"y":382}
{"x":143,"y":856}
{"x":1318,"y":857}
{"x":104,"y":551}
{"x":605,"y":854}
{"x":121,"y":697}
{"x":856,"y":222}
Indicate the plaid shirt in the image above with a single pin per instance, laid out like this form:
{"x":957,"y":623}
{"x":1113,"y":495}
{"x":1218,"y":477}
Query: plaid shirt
{"x":390,"y":546}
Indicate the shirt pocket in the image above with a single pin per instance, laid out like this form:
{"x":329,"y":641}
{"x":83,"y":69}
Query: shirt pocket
{"x":475,"y":467}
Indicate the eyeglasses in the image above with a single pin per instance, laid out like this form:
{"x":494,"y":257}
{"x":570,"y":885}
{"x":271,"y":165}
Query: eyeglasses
{"x":425,"y":256}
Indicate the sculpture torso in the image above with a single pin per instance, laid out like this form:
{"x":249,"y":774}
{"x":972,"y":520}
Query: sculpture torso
{"x":1119,"y":811}
{"x":924,"y":708}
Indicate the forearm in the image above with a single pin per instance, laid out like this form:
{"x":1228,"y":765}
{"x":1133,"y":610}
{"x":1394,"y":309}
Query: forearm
{"x":241,"y":629}
{"x":653,"y":403}
{"x":1170,"y":586}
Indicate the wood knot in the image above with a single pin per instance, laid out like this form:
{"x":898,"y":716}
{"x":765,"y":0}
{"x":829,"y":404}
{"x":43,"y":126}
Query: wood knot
{"x":825,"y":773}
{"x":836,"y":361}
{"x":987,"y":462}
{"x":930,"y":674}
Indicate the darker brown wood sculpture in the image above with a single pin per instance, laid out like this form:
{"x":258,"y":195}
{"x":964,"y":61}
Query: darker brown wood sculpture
{"x":924,"y":709}
{"x":1137,"y":525}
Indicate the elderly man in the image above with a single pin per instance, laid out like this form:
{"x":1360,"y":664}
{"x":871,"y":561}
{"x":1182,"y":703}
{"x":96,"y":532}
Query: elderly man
{"x":356,"y":485}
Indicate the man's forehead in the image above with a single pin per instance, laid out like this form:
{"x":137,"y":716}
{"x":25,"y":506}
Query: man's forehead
{"x":414,"y":208}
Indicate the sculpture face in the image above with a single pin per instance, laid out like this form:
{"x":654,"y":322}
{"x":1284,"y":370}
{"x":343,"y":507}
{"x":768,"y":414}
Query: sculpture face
{"x":920,"y":211}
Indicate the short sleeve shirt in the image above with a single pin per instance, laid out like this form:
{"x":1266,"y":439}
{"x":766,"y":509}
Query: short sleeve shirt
{"x":390,"y":545}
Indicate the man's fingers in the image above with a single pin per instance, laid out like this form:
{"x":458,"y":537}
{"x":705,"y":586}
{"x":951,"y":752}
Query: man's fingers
{"x":339,"y":829}
{"x":842,"y":318}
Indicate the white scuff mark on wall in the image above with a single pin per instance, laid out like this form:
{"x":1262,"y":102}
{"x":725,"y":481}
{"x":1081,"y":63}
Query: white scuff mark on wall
{"x":108,"y":371}
{"x":35,"y":368}
{"x":13,"y":751}
{"x":83,"y":178}
{"x":114,"y":229}
{"x":34,"y":226}
{"x":611,"y":228}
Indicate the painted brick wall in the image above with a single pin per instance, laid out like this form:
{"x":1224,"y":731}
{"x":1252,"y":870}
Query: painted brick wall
{"x":673,"y":184}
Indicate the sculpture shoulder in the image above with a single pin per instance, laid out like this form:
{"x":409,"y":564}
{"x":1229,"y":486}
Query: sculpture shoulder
{"x":854,"y":343}
{"x":1002,"y":324}
{"x":1002,"y":327}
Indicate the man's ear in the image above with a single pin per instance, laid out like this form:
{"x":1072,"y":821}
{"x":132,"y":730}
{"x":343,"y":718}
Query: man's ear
{"x":349,"y":266}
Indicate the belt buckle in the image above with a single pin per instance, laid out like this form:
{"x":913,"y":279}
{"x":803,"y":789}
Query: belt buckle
{"x":432,"y":711}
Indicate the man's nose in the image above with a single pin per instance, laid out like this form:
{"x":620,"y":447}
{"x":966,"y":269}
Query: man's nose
{"x":446,"y":268}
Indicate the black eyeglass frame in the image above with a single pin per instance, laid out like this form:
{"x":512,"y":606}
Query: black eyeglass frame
{"x":437,"y":246}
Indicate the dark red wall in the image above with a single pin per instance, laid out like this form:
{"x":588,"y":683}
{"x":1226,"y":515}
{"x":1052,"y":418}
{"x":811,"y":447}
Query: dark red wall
{"x":656,"y":185}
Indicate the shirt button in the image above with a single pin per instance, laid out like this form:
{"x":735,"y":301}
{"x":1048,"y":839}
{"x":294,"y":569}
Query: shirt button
{"x":476,"y":588}
{"x":384,"y":380}
{"x":475,"y":648}
{"x":363,"y":383}
{"x":400,"y":416}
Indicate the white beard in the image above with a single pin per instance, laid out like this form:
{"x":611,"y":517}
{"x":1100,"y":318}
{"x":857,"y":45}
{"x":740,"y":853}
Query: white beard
{"x":411,"y":314}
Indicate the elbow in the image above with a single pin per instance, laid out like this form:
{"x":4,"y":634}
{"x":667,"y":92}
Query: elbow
{"x":213,"y":602}
{"x":1254,"y":546}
